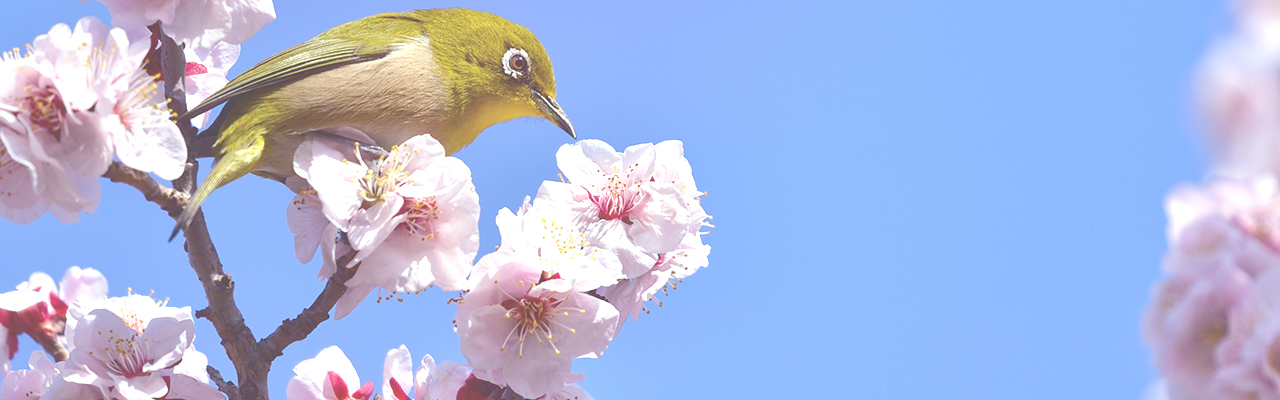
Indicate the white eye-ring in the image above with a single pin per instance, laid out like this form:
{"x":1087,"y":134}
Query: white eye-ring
{"x":515,"y":63}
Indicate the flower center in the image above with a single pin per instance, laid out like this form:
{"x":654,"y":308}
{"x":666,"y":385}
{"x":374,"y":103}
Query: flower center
{"x":124,"y":355}
{"x":534,"y":316}
{"x":616,"y":199}
{"x":46,"y":108}
{"x":557,"y":243}
{"x":383,"y":177}
{"x":419,"y":212}
{"x":142,"y":106}
{"x":531,"y":314}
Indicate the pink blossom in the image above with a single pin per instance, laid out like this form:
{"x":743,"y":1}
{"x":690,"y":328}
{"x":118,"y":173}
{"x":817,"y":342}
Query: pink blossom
{"x":439,"y":382}
{"x":691,"y":254}
{"x":1239,"y":98}
{"x":64,"y":148}
{"x":29,"y":383}
{"x":19,"y":202}
{"x":198,"y":23}
{"x":1209,"y":321}
{"x":206,"y":73}
{"x":525,"y":326}
{"x":328,"y":376}
{"x":397,"y":374}
{"x":452,"y":381}
{"x":310,"y":227}
{"x":39,"y":307}
{"x":548,"y":237}
{"x":614,"y":200}
{"x":412,"y":217}
{"x":129,"y":347}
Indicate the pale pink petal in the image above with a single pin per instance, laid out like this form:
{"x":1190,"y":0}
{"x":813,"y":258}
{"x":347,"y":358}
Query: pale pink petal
{"x":398,"y":366}
{"x":82,"y":284}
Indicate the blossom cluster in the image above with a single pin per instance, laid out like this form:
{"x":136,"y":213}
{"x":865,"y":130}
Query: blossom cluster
{"x":1214,"y":320}
{"x":574,"y":262}
{"x":130,"y":347}
{"x":80,"y":97}
{"x":410,"y":215}
{"x":330,"y":376}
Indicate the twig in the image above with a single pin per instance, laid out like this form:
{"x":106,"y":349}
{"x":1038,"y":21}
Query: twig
{"x":296,"y":329}
{"x":251,"y":358}
{"x":237,"y":338}
{"x":169,"y":200}
{"x":54,"y":348}
{"x":225,"y":387}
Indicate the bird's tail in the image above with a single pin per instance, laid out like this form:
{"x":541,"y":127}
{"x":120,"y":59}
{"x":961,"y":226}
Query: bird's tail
{"x":233,"y":165}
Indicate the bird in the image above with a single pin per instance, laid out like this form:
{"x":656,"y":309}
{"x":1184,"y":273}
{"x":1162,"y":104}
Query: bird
{"x":449,"y":72}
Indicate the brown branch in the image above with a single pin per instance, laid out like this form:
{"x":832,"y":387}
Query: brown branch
{"x":225,"y":387}
{"x":296,"y":329}
{"x":169,"y":200}
{"x":50,"y":342}
{"x":219,"y":290}
{"x":251,"y":358}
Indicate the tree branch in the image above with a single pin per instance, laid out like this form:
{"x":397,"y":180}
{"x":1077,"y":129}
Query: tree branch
{"x":296,"y":329}
{"x":219,"y":290}
{"x":169,"y":200}
{"x":252,"y":359}
{"x":225,"y":387}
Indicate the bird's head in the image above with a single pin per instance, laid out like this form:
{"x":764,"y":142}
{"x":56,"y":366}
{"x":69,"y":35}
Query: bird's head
{"x":495,"y":70}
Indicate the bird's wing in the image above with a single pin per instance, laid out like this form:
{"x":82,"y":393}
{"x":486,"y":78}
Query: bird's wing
{"x":298,"y":61}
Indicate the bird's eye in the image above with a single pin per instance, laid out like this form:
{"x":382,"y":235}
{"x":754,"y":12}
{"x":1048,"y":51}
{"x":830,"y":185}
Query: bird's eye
{"x":516,"y":63}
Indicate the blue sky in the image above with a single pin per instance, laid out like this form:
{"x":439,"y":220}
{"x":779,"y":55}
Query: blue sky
{"x":913,"y":200}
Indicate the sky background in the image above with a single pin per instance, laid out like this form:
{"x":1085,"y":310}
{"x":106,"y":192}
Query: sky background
{"x":912,"y":199}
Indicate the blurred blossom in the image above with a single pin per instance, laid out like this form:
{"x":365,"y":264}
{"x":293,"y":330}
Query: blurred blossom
{"x":1212,"y":319}
{"x":39,"y":306}
{"x":412,"y":215}
{"x":29,"y":383}
{"x":328,"y":376}
{"x":1260,"y":20}
{"x":1239,"y":92}
{"x":197,"y":23}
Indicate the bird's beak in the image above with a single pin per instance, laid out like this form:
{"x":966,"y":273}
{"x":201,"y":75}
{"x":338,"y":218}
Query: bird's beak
{"x":553,"y":112}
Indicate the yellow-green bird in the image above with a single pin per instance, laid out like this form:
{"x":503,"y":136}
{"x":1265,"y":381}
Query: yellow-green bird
{"x":448,"y":72}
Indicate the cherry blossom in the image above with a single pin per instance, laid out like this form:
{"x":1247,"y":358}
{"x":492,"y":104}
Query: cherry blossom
{"x":614,"y":200}
{"x":19,"y":202}
{"x":47,"y":128}
{"x":1209,"y":321}
{"x":1239,"y":94}
{"x":197,"y":23}
{"x":131,"y":347}
{"x":39,"y":306}
{"x":328,"y":376}
{"x":206,"y":73}
{"x":29,"y":383}
{"x":411,"y":215}
{"x":439,"y":381}
{"x":535,"y":234}
{"x":397,"y":374}
{"x":525,"y":327}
